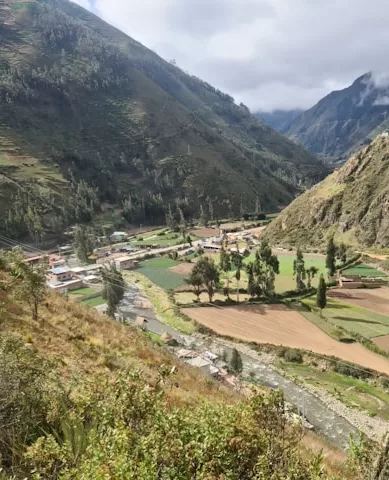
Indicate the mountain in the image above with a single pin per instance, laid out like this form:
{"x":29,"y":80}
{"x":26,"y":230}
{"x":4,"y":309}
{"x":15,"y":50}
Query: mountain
{"x":344,"y":120}
{"x":352,"y":203}
{"x":89,"y":115}
{"x":280,"y":120}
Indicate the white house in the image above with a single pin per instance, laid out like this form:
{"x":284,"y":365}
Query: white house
{"x":125,"y":263}
{"x":60,"y":274}
{"x":118,"y":237}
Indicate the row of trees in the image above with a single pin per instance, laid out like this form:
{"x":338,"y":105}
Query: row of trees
{"x":261,"y":273}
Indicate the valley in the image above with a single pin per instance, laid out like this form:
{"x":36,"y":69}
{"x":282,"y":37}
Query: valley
{"x":190,"y":288}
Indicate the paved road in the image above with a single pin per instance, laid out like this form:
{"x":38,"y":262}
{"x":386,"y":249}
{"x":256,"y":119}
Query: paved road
{"x":332,"y":426}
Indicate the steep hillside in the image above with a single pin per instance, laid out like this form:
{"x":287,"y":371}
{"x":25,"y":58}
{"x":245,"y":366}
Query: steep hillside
{"x":344,"y":120}
{"x":82,"y":101}
{"x":280,"y":120}
{"x":84,"y":397}
{"x":352,"y":203}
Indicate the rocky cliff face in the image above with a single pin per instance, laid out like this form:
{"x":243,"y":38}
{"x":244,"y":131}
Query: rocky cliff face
{"x":344,"y":120}
{"x":352,"y":204}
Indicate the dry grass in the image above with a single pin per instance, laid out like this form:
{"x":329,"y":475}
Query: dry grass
{"x":80,"y":341}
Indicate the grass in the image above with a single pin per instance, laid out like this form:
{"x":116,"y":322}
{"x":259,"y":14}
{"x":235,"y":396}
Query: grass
{"x":157,"y":271}
{"x":163,"y":305}
{"x":94,"y":302}
{"x":352,"y":392}
{"x":351,"y":318}
{"x":166,"y":240}
{"x":81,"y":341}
{"x":83,"y":291}
{"x":364,"y":271}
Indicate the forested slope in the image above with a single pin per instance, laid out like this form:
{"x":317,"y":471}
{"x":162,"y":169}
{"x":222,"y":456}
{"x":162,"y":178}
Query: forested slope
{"x":81,"y":101}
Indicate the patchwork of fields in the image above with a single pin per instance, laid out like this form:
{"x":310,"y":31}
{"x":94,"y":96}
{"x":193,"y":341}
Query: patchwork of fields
{"x":279,"y":325}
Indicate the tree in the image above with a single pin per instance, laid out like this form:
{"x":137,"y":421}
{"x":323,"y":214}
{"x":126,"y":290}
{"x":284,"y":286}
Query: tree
{"x":321,"y":295}
{"x":331,"y":257}
{"x":196,"y":281}
{"x":206,"y":269}
{"x":237,"y":260}
{"x":114,"y":288}
{"x":341,"y":253}
{"x":257,"y":207}
{"x":225,"y":266}
{"x":171,"y":220}
{"x":299,"y":269}
{"x":236,"y":362}
{"x":311,"y":272}
{"x":251,"y":285}
{"x":189,"y":240}
{"x":31,"y":282}
{"x":203,"y":216}
{"x":84,"y":242}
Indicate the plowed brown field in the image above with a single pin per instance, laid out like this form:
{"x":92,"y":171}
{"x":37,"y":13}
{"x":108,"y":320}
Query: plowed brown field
{"x":376,"y":299}
{"x":279,"y":325}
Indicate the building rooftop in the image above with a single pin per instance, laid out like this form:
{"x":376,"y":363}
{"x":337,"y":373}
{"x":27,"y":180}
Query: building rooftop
{"x":60,"y":270}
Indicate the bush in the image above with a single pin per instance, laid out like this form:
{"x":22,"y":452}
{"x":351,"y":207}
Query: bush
{"x":293,"y":356}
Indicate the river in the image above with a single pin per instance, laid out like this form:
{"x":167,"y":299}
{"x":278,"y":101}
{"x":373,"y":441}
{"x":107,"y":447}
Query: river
{"x":336,"y":429}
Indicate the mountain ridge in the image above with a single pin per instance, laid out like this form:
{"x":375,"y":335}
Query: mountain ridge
{"x":82,"y":101}
{"x":344,"y":120}
{"x":352,"y":204}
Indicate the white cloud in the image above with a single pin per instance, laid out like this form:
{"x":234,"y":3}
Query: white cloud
{"x":268,"y":53}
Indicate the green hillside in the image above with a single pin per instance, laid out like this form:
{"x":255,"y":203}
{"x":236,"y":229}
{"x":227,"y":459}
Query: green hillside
{"x":352,"y":204}
{"x":81,"y":101}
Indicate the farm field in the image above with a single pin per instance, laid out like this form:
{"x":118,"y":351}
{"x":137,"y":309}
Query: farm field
{"x":364,"y":271}
{"x":285,"y":281}
{"x":166,"y":240}
{"x":279,"y":325}
{"x":376,"y":299}
{"x":157,"y":271}
{"x":353,"y":318}
{"x":94,"y":302}
{"x":83,"y":291}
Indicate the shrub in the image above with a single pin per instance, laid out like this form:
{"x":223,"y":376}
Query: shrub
{"x":293,"y":356}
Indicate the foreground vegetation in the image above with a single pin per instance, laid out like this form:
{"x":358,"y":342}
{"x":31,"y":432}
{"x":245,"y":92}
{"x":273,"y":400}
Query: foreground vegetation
{"x":86,"y":397}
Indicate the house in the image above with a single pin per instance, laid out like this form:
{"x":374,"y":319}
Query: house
{"x":204,"y":365}
{"x":125,"y":263}
{"x":86,"y":270}
{"x":64,"y":287}
{"x":56,"y":261}
{"x":92,"y":279}
{"x":118,"y":237}
{"x":60,"y":274}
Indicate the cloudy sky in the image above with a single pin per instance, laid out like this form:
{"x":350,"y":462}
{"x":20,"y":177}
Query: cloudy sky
{"x":267,"y":53}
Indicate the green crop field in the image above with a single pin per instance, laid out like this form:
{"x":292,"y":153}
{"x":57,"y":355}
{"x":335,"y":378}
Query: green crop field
{"x":83,"y":291}
{"x":364,"y":271}
{"x":352,"y":318}
{"x":163,"y":240}
{"x":157,"y":271}
{"x":94,"y":302}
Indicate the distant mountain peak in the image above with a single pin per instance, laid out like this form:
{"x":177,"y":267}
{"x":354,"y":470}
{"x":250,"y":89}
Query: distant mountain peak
{"x":344,"y":120}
